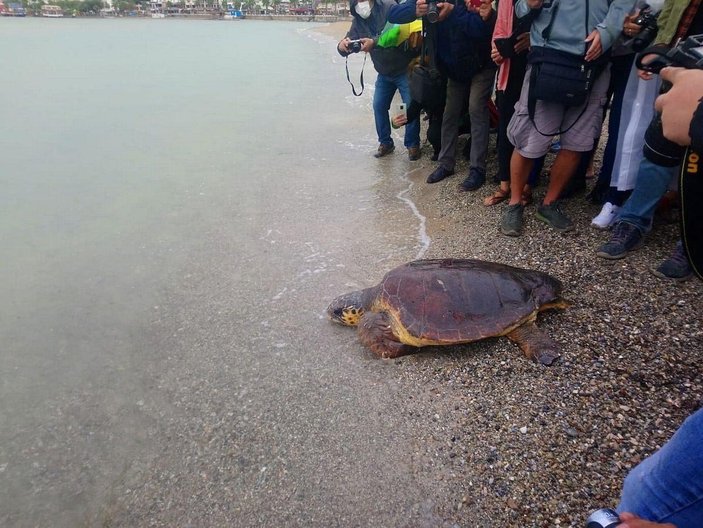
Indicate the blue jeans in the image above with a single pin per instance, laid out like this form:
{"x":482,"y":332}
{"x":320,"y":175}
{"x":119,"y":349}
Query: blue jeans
{"x":382,"y":98}
{"x":652,"y":182}
{"x":667,"y":487}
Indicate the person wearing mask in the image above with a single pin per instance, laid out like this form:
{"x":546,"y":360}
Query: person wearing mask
{"x":369,"y":20}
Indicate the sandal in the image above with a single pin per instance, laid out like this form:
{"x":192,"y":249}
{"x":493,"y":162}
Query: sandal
{"x":499,"y":196}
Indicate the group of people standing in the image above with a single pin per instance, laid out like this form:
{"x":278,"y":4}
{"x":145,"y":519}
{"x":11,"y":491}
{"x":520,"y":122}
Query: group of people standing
{"x":482,"y":45}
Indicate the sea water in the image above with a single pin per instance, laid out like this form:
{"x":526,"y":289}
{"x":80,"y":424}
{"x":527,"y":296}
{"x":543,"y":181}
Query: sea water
{"x":179,"y":201}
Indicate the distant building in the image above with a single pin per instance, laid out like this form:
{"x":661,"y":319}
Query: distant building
{"x":13,"y":9}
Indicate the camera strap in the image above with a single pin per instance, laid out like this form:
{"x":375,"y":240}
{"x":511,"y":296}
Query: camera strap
{"x":691,"y":188}
{"x":361,"y":77}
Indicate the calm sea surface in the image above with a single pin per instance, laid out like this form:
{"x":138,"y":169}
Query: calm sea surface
{"x":179,"y":201}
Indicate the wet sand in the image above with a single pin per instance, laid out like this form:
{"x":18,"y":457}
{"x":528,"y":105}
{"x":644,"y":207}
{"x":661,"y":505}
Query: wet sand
{"x":525,"y":445}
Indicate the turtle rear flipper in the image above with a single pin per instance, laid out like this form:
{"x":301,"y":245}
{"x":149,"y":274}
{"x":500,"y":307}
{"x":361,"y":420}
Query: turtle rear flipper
{"x":536,"y":345}
{"x":375,"y":332}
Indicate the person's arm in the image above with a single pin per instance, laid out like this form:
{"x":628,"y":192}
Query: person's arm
{"x":523,"y":7}
{"x":610,"y":28}
{"x":405,"y":12}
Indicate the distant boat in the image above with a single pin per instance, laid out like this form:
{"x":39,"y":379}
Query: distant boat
{"x":51,"y":11}
{"x":234,"y":14}
{"x":158,"y":15}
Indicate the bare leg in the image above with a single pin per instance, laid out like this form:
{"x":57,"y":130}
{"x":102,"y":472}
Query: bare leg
{"x":536,"y":345}
{"x":562,"y":170}
{"x":375,"y":332}
{"x":520,"y":168}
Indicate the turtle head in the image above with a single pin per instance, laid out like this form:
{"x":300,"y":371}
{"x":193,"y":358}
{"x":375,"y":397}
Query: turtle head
{"x":347,"y":309}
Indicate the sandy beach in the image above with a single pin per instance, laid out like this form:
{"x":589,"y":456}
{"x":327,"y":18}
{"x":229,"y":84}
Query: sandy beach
{"x":525,"y":445}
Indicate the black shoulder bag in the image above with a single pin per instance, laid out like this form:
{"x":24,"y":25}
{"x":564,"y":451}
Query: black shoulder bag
{"x":426,"y":82}
{"x":561,"y":77}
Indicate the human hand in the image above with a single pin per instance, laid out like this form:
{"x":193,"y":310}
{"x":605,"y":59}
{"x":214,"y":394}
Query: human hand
{"x":534,"y":4}
{"x":522,"y":42}
{"x":399,"y":120}
{"x":632,"y":521}
{"x":367,"y":44}
{"x":495,"y":55}
{"x":444,"y":9}
{"x":343,"y":45}
{"x":679,"y":103}
{"x":595,"y":48}
{"x":629,"y":27}
{"x":420,"y":8}
{"x":485,"y":9}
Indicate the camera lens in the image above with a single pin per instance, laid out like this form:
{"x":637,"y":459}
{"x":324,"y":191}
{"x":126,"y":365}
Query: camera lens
{"x":432,"y":13}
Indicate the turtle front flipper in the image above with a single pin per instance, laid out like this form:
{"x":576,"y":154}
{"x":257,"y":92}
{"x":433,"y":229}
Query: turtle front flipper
{"x":375,"y":332}
{"x":536,"y":345}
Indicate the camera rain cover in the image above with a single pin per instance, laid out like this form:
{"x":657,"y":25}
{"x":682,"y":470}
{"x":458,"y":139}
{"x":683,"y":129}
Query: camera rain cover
{"x":691,"y":187}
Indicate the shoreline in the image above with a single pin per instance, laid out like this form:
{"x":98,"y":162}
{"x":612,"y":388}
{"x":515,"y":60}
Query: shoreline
{"x":525,"y":445}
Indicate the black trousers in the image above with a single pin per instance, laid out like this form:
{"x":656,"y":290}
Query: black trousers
{"x":505,"y":102}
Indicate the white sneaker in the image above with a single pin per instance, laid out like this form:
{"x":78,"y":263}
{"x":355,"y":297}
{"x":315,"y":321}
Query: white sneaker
{"x":606,"y":217}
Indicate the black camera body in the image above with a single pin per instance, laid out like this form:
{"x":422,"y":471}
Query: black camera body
{"x":432,"y":12}
{"x":354,"y":46}
{"x":648,"y":22}
{"x":687,"y":54}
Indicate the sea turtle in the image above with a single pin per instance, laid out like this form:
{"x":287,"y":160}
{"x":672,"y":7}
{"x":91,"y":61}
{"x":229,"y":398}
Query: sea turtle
{"x":452,"y":301}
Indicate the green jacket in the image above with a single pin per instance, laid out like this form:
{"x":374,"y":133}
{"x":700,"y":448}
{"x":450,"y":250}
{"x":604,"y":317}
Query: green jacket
{"x":669,"y":20}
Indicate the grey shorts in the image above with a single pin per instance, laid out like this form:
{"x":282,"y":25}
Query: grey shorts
{"x":552,"y":117}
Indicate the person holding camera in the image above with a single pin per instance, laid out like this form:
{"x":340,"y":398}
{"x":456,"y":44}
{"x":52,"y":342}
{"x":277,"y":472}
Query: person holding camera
{"x":631,"y":109}
{"x":665,"y":490}
{"x":659,"y":166}
{"x":565,"y":34}
{"x":369,"y":20}
{"x":462,"y":34}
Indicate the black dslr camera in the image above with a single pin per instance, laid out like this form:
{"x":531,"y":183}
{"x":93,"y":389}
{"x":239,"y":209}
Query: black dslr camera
{"x":354,"y":46}
{"x":432,"y":12}
{"x":648,"y":22}
{"x":687,"y":54}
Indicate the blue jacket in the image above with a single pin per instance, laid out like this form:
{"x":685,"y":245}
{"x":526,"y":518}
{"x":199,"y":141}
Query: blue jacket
{"x":463,"y":39}
{"x":569,"y":25}
{"x":386,"y":61}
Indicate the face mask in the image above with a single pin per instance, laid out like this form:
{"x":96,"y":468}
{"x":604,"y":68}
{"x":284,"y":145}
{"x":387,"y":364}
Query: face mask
{"x":363,"y":9}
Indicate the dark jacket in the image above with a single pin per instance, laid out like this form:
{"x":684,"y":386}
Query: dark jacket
{"x":387,"y":61}
{"x":463,"y":39}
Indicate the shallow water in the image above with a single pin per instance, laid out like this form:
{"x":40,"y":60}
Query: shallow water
{"x":181,"y":200}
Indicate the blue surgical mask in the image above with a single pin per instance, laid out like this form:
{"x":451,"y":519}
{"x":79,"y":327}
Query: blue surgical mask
{"x":363,"y":9}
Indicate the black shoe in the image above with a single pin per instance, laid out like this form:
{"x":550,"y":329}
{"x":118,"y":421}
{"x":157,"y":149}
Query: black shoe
{"x":439,"y":174}
{"x":474,"y":180}
{"x":676,"y":267}
{"x":626,"y":238}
